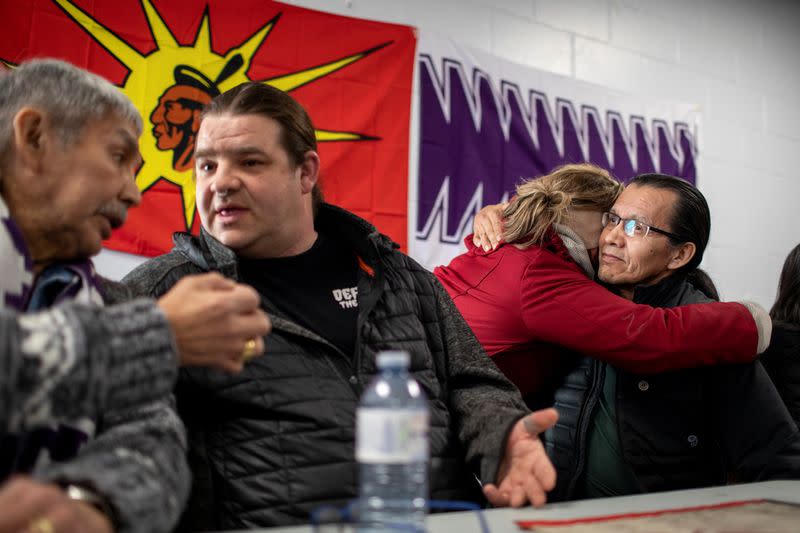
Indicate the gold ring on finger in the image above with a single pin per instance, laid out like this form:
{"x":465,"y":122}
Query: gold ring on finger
{"x":249,"y":350}
{"x":41,"y":525}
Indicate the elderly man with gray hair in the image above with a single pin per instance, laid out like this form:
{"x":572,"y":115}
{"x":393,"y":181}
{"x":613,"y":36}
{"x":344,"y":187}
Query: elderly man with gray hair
{"x":89,"y":441}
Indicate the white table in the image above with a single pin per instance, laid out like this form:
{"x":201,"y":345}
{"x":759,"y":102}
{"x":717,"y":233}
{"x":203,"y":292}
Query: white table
{"x":503,"y":520}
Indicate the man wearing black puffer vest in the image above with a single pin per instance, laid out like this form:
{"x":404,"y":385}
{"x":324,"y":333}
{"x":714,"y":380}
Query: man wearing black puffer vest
{"x":273,"y":443}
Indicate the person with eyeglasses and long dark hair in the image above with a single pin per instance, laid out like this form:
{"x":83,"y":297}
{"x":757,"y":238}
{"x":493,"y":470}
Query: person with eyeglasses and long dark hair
{"x":624,"y":432}
{"x":782,"y":358}
{"x":533,"y":303}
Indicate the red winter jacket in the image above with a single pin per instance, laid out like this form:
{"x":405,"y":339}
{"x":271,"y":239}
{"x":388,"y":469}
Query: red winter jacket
{"x":527,"y":306}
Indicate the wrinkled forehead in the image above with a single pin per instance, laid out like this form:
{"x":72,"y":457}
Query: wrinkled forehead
{"x":111,"y":133}
{"x":232,"y":134}
{"x":646,"y":204}
{"x":115,"y":122}
{"x":112,"y":127}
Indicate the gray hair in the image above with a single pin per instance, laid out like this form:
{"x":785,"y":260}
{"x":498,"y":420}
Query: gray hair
{"x":70,"y":96}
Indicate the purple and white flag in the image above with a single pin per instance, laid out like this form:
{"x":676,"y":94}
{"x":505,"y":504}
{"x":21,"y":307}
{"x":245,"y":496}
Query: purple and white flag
{"x":485,"y":124}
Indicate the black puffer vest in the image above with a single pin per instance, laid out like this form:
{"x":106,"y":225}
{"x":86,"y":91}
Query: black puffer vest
{"x":273,"y":443}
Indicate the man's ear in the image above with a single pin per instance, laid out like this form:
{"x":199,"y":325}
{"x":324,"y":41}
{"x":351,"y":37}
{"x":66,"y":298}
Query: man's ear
{"x":309,"y":171}
{"x":682,"y":255}
{"x":29,"y":132}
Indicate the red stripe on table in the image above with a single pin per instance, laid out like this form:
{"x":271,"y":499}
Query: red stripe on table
{"x":529,"y":524}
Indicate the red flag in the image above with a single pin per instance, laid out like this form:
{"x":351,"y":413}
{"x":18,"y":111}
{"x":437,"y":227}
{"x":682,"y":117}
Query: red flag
{"x":353,"y":76}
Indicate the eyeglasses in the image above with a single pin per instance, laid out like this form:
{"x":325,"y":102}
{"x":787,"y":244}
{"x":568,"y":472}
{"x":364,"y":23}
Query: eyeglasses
{"x":330,"y":519}
{"x":635,"y":228}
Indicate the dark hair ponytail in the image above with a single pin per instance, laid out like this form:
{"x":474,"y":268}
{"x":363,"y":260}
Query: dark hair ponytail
{"x":701,"y":281}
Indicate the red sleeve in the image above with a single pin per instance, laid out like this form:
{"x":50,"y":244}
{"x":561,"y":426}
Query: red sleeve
{"x":562,"y":306}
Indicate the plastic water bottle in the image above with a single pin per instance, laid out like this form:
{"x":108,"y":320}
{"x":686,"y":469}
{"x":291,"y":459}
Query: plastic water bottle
{"x":392,"y":449}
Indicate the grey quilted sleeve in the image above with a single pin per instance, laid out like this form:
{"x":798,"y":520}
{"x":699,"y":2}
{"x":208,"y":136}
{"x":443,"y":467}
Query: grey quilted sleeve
{"x":485,"y":404}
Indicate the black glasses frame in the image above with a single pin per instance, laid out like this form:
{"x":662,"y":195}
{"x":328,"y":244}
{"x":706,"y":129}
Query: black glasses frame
{"x":609,"y":217}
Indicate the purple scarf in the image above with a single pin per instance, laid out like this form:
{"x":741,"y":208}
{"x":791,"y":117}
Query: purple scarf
{"x":75,"y":281}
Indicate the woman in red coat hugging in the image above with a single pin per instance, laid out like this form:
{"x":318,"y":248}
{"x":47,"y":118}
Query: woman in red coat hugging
{"x":532,"y":301}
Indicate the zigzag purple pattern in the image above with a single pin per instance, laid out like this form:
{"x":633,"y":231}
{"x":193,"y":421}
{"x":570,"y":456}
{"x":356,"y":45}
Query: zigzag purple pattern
{"x":478,"y":139}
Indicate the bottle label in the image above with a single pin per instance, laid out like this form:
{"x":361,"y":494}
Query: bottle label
{"x":391,"y":435}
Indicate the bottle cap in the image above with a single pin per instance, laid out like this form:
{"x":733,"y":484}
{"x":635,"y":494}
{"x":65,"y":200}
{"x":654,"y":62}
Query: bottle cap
{"x":393,"y":359}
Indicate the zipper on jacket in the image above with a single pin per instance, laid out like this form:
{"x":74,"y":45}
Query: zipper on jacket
{"x":622,"y":376}
{"x":598,"y":371}
{"x":373,"y":282}
{"x":344,"y":368}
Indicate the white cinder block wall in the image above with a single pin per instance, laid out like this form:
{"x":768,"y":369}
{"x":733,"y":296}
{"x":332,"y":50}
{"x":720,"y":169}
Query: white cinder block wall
{"x":739,"y":61}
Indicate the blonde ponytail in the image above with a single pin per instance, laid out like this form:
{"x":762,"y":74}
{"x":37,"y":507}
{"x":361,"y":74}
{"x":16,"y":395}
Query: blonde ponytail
{"x":542,"y":202}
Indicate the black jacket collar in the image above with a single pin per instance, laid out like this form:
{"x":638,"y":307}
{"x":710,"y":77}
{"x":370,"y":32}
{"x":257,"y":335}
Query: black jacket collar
{"x":662,"y":294}
{"x":209,"y":254}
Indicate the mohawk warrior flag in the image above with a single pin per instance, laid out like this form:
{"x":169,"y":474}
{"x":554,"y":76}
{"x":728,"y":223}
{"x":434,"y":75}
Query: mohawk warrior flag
{"x":171,"y":58}
{"x":486,"y":124}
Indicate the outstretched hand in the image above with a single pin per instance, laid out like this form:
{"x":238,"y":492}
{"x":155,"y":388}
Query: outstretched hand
{"x":216,"y":322}
{"x":487,"y":227}
{"x":526,"y":473}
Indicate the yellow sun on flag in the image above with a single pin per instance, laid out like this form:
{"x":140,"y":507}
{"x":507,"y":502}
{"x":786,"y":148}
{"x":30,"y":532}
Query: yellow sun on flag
{"x":170,"y":85}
